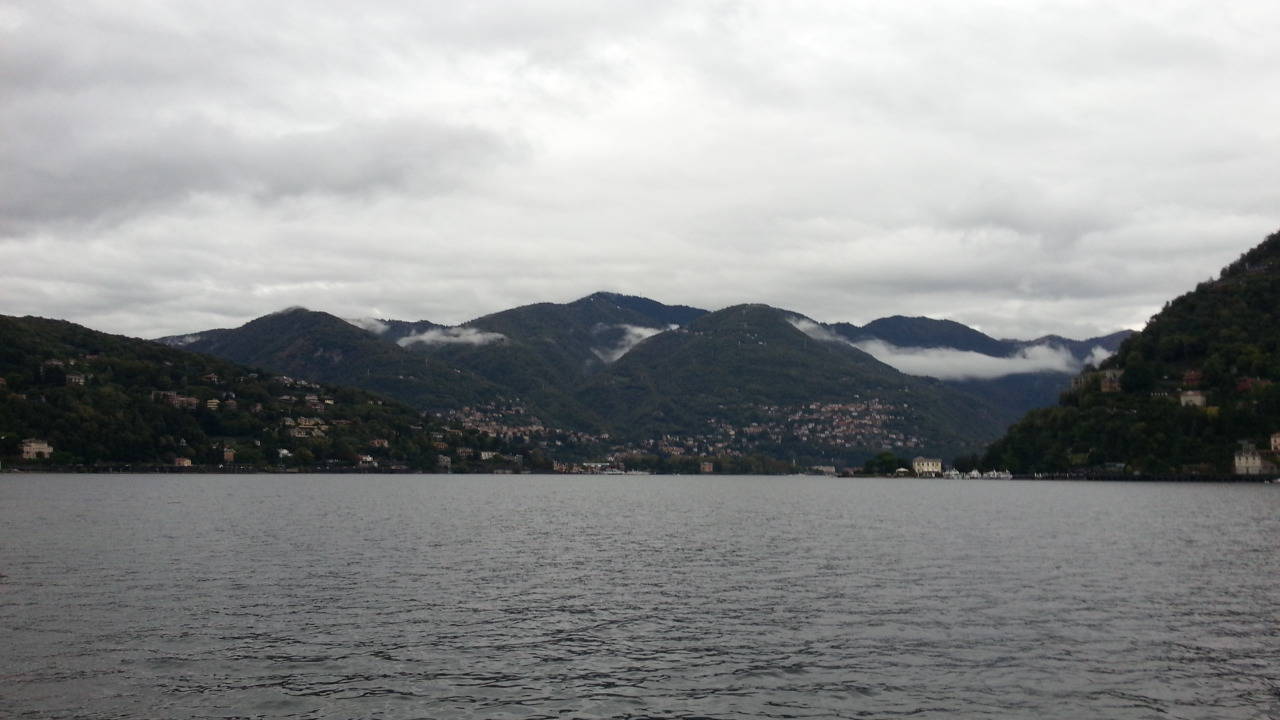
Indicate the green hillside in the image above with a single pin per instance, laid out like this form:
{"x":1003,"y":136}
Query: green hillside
{"x":747,"y":373}
{"x":322,"y":348}
{"x":1220,"y":341}
{"x":928,"y":333}
{"x":611,"y":369}
{"x":542,"y":353}
{"x":101,"y":399}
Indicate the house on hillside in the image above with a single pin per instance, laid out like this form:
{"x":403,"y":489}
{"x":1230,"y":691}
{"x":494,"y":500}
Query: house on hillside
{"x":1248,"y":461}
{"x":1111,"y":381}
{"x":1192,"y":398}
{"x":33,"y":449}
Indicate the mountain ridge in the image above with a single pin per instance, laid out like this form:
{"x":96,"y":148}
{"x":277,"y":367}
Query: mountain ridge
{"x":575,"y":365}
{"x":88,"y":398}
{"x":1179,"y":397}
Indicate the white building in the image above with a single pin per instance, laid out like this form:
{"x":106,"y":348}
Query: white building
{"x":1192,"y":398}
{"x":33,"y":449}
{"x":1249,"y":461}
{"x":926,"y":467}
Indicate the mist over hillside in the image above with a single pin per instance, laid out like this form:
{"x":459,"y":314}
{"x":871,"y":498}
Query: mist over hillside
{"x":682,"y":379}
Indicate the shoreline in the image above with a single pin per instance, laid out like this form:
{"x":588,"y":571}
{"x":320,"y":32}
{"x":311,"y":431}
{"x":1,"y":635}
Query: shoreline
{"x":255,"y":470}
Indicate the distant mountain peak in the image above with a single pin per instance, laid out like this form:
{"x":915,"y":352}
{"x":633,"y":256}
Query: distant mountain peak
{"x":660,"y":314}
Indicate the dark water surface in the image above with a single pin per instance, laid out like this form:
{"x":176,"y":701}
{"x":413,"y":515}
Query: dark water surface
{"x":548,"y":597}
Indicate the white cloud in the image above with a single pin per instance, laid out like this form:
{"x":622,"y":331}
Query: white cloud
{"x":370,"y":325}
{"x":951,"y":364}
{"x":1098,"y":355}
{"x":452,"y":336}
{"x":814,"y":330}
{"x":632,"y":335}
{"x":948,"y":364}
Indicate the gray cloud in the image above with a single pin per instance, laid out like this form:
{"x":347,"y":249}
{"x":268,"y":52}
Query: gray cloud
{"x":1026,"y":168}
{"x":83,"y":177}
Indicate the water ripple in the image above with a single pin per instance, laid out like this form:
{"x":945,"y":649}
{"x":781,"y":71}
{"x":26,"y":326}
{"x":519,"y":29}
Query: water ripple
{"x":544,"y":597}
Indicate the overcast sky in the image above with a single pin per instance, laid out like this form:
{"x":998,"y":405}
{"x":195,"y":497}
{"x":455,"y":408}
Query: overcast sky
{"x":1026,"y":167}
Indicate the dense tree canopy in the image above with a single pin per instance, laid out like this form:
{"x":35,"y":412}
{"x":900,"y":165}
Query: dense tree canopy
{"x":1221,"y":340}
{"x":100,"y":399}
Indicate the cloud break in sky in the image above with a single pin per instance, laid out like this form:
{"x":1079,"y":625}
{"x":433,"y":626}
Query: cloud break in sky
{"x":1025,"y":168}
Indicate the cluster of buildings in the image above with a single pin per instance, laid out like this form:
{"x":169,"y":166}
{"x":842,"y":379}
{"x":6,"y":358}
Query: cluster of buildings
{"x":513,"y":423}
{"x":1187,"y":392}
{"x":862,"y":423}
{"x":1249,"y":460}
{"x":865,"y":423}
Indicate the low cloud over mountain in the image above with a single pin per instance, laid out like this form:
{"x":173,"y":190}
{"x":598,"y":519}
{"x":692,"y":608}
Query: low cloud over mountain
{"x":452,"y":336}
{"x":632,"y":335}
{"x":949,"y":364}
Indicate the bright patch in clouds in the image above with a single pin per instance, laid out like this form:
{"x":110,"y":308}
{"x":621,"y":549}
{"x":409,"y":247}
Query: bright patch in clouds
{"x":452,"y":336}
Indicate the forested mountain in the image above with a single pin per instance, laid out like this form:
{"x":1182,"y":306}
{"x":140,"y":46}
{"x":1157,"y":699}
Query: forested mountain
{"x":1180,"y":396}
{"x":569,"y":341}
{"x":637,"y":370}
{"x":1081,"y":349}
{"x":105,"y":399}
{"x":923,"y":332}
{"x":1014,"y":392}
{"x":542,"y":353}
{"x":322,"y":348}
{"x":929,"y":333}
{"x":751,"y":376}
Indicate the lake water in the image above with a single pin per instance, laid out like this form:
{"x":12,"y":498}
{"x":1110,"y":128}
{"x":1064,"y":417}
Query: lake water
{"x":179,"y":596}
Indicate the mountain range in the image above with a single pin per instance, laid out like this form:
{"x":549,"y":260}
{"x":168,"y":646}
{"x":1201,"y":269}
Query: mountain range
{"x":642,"y":376}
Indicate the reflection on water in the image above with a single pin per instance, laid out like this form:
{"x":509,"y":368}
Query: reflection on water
{"x":542,"y":597}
